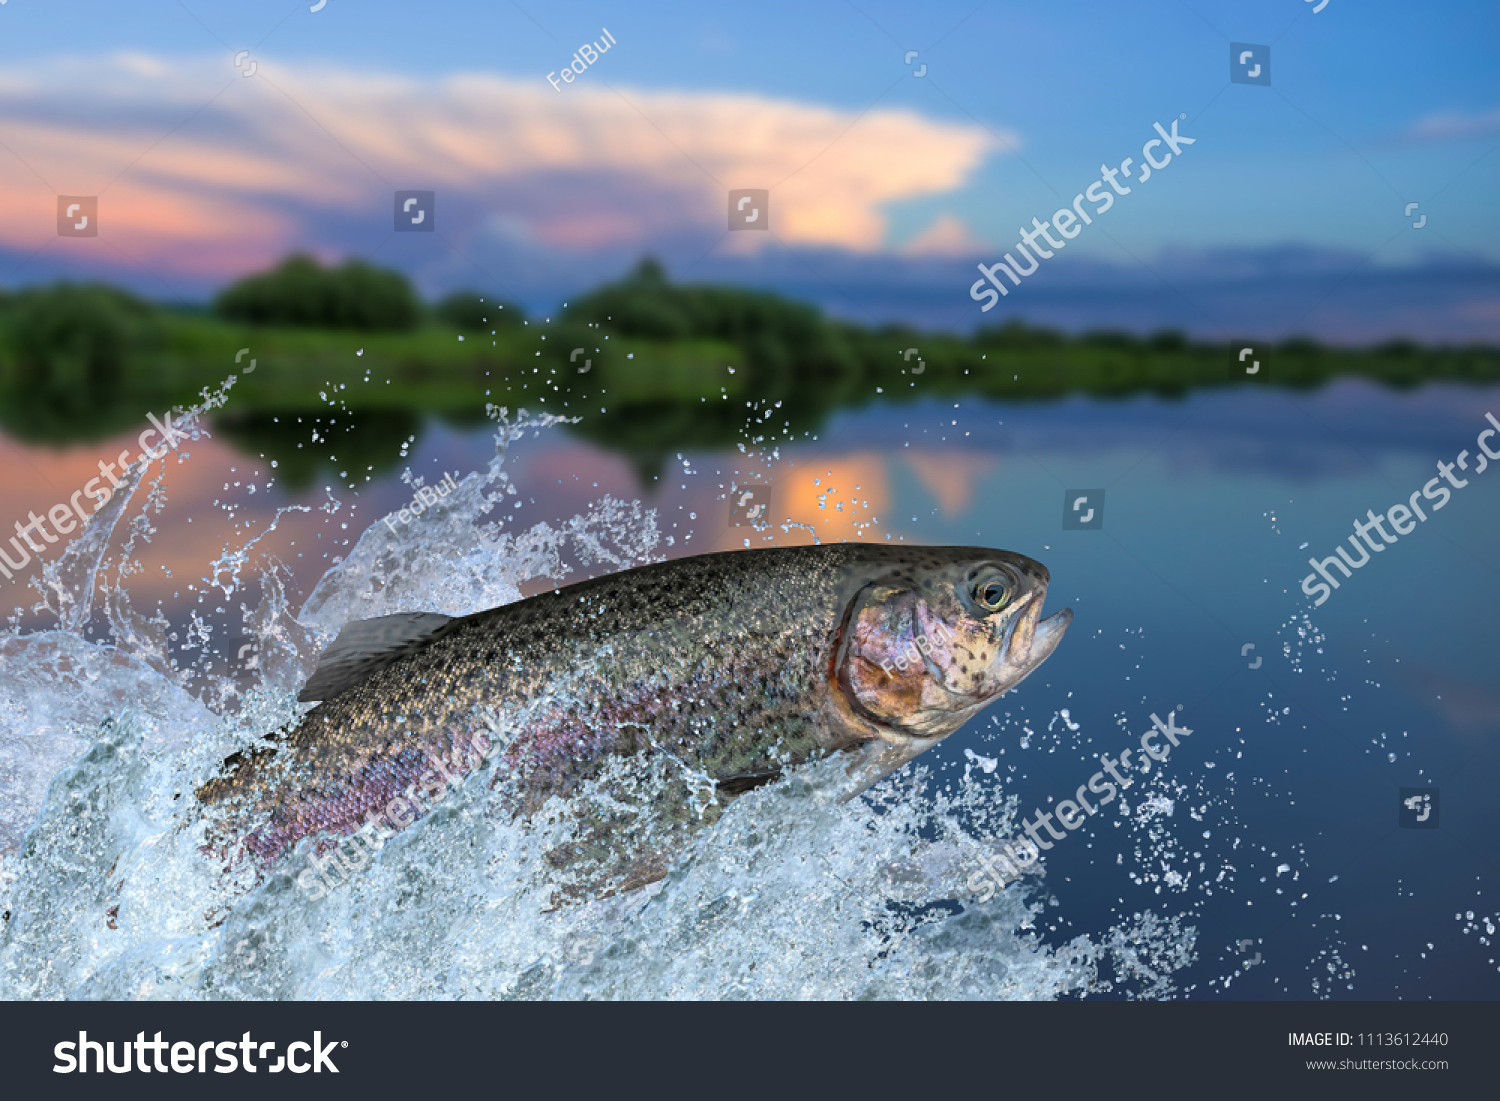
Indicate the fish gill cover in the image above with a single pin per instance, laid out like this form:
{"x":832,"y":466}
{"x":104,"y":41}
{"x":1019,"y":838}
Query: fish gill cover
{"x":111,"y":888}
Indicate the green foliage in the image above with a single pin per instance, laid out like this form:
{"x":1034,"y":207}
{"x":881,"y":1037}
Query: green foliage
{"x":786,"y":354}
{"x":471,"y":312}
{"x":78,"y":332}
{"x":774,"y":331}
{"x":80,"y":362}
{"x":1017,"y":334}
{"x":68,"y":345}
{"x":301,"y":293}
{"x":1109,"y":338}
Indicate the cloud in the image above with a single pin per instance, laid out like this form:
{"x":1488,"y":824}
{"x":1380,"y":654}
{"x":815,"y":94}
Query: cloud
{"x":201,"y":171}
{"x":1454,"y":126}
{"x":947,"y":236}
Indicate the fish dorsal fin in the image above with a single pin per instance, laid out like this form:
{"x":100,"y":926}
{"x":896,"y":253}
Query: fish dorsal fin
{"x":365,"y":646}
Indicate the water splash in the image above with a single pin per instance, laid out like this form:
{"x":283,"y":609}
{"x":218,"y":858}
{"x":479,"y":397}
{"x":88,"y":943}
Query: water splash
{"x":790,"y":895}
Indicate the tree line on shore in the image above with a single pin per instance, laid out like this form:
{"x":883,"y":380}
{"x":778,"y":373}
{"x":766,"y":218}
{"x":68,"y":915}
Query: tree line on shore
{"x":76,"y":359}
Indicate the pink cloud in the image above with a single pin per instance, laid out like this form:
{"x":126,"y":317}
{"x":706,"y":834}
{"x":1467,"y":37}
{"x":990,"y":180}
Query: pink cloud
{"x":947,"y":236}
{"x":198,"y":178}
{"x":1454,"y":126}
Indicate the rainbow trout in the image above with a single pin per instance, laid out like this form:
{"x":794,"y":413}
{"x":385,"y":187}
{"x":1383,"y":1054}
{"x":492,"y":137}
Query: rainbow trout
{"x":735,"y":666}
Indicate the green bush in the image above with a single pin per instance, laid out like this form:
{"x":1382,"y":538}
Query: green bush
{"x":301,"y":293}
{"x":73,"y":334}
{"x":774,"y":331}
{"x":69,"y":345}
{"x":1111,"y":339}
{"x":1016,"y":335}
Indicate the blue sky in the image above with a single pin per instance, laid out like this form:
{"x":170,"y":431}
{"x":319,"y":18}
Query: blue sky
{"x":888,"y":187}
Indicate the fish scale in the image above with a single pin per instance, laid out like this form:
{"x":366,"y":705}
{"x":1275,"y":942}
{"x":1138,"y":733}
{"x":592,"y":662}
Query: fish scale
{"x":736,"y":664}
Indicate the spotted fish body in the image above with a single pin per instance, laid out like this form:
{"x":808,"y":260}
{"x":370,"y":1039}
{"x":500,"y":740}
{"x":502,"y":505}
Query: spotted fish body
{"x":737,"y":665}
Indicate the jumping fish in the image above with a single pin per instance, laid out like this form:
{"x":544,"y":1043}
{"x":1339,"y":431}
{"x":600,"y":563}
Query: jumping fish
{"x":737,"y":665}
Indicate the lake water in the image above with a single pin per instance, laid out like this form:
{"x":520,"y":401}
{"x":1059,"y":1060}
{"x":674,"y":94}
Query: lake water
{"x":1274,"y":823}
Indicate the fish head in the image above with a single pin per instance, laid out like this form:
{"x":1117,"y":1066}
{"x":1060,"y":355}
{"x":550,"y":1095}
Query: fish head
{"x":940,"y":636}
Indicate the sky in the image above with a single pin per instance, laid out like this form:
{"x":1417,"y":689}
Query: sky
{"x":901,"y":146}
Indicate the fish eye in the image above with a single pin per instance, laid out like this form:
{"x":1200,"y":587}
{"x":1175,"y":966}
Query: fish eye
{"x":989,"y":588}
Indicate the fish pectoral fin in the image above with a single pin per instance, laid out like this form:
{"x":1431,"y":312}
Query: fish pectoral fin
{"x":874,"y":760}
{"x":366,"y":646}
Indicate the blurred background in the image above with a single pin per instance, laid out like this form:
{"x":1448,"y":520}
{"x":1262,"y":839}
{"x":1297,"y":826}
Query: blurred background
{"x":381,"y":218}
{"x":890,"y":177}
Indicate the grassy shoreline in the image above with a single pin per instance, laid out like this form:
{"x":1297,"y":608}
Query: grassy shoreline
{"x":658,"y":357}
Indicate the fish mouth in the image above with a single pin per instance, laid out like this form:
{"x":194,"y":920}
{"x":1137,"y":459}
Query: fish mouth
{"x":1046,"y":634}
{"x":1030,"y":639}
